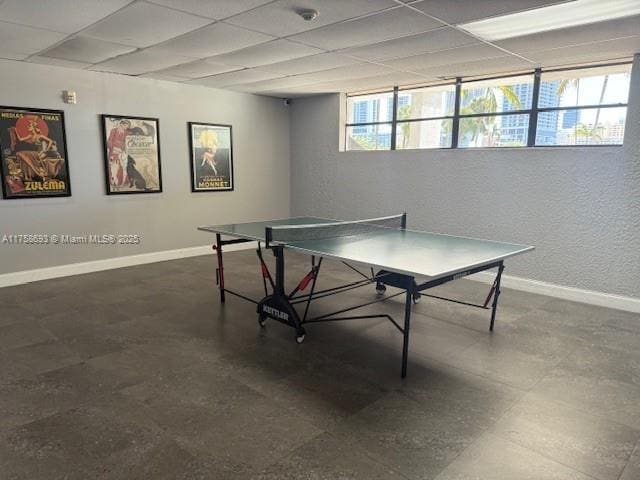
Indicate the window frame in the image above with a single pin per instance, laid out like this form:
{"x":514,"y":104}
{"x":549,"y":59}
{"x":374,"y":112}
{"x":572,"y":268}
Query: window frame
{"x":458,"y":82}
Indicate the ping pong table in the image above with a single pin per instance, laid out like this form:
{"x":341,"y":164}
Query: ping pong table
{"x":408,"y":260}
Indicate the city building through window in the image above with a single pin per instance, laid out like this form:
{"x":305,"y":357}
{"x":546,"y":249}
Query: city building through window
{"x":579,"y":106}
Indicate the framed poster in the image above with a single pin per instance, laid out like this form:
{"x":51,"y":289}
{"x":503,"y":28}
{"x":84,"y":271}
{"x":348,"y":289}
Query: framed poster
{"x":211,"y":153}
{"x":131,"y":154}
{"x":33,"y":153}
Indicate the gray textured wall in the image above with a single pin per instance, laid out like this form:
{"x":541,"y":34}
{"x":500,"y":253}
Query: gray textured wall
{"x":579,"y":206}
{"x":166,"y":220}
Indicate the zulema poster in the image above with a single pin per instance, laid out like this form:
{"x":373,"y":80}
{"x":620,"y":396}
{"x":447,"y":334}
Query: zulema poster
{"x":33,"y":153}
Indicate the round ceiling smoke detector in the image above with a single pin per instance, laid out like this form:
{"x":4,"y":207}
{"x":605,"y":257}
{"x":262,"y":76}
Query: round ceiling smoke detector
{"x":308,"y":14}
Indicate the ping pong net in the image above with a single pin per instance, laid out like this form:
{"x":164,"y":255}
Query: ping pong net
{"x":285,"y":234}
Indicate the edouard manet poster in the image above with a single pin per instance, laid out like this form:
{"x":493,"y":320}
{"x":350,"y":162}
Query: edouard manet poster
{"x":132,"y":154}
{"x":211,"y":157}
{"x":33,"y":153}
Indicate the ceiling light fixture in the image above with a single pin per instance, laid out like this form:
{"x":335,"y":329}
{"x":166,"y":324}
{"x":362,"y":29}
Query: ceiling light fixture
{"x":308,"y":14}
{"x":554,"y":17}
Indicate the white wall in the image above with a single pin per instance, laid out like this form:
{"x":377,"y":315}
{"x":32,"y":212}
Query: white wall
{"x":166,"y":220}
{"x":580,"y":207}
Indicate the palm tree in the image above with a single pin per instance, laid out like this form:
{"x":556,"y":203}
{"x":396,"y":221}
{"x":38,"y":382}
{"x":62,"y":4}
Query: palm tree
{"x":404,"y":112}
{"x":575,"y":82}
{"x":485,"y":101}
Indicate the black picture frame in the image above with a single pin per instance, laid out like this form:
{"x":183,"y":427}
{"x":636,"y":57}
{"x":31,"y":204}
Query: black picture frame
{"x":211,"y":171}
{"x":123,"y":175}
{"x":33,"y":161}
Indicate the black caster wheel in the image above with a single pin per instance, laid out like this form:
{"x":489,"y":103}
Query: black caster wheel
{"x":262,"y":321}
{"x":380,"y":289}
{"x":416,"y":298}
{"x":300,"y":336}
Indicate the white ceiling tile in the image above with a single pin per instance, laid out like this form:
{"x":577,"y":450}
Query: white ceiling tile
{"x":587,"y":53}
{"x":280,"y":18}
{"x":58,"y":62}
{"x":301,"y":84}
{"x":87,"y":50}
{"x":347,"y":73}
{"x":440,"y":39}
{"x":140,"y":62}
{"x":290,"y":94}
{"x":349,"y":85}
{"x":446,"y":57}
{"x":163,"y":76}
{"x":280,"y":84}
{"x":215,"y":9}
{"x":489,"y":66}
{"x":461,"y":11}
{"x":238,"y":77}
{"x":19,"y":41}
{"x":314,"y":63}
{"x":198,"y":69}
{"x":266,"y":53}
{"x":143,"y":24}
{"x":214,"y":40}
{"x":12,"y":56}
{"x":395,"y":23}
{"x":596,"y":32}
{"x":66,"y":16}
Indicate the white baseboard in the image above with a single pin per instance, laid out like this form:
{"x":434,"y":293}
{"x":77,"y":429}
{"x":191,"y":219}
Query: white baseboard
{"x":589,"y":297}
{"x":533,"y":286}
{"x":27,"y":276}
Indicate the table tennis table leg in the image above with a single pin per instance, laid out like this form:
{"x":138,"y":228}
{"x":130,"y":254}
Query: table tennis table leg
{"x":496,"y":294}
{"x":218,"y":249}
{"x":405,"y":331}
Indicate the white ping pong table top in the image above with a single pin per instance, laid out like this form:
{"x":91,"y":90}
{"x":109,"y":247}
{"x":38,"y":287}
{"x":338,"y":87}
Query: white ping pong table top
{"x":408,"y":252}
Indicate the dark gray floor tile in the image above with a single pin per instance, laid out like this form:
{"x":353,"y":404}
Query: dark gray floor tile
{"x":618,"y":401}
{"x":218,"y":416}
{"x":22,"y":334}
{"x":12,"y":313}
{"x":400,"y":433}
{"x":325,"y":457}
{"x":597,"y":361}
{"x":170,"y":461}
{"x":518,"y":360}
{"x":590,"y":444}
{"x":137,"y":364}
{"x":34,"y":359}
{"x":326,"y":394}
{"x":31,"y":398}
{"x":75,"y":444}
{"x":493,"y":458}
{"x":472,"y":398}
{"x":83,"y":317}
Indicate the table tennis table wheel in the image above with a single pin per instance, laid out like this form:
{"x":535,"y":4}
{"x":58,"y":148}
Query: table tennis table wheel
{"x":416,"y":298}
{"x":262,"y":321}
{"x":381,"y":288}
{"x":300,"y":336}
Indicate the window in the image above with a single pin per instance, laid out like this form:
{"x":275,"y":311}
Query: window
{"x":370,"y":125}
{"x":581,"y":106}
{"x":425,"y":117}
{"x":495,"y":113}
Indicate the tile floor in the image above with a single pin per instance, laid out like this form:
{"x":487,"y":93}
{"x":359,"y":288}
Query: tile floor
{"x":139,"y":373}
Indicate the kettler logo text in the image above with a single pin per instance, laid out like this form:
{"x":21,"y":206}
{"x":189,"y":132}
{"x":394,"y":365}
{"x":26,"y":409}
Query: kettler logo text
{"x":275,"y":313}
{"x":460,"y":275}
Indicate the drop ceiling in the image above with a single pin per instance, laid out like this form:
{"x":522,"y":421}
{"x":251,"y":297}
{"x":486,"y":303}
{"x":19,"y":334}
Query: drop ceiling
{"x":265,"y":47}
